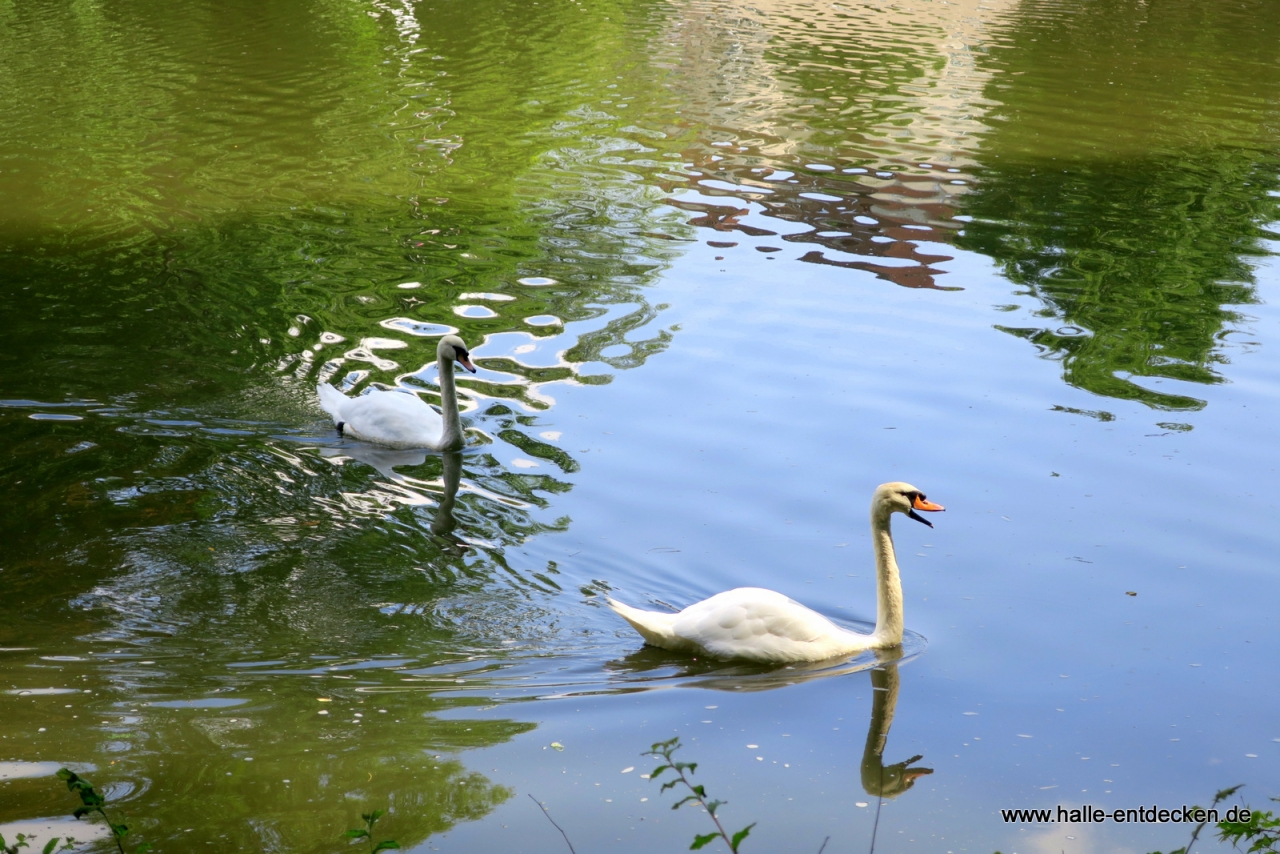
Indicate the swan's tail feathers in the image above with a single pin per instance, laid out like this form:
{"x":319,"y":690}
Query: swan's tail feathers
{"x":656,"y":628}
{"x":331,"y":400}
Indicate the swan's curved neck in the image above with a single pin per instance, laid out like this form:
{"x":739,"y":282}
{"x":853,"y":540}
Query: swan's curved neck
{"x":888,"y":586}
{"x":451,"y":439}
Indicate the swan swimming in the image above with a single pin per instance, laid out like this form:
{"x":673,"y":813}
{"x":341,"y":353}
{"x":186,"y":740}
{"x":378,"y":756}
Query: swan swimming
{"x":400,"y":420}
{"x":760,"y":625}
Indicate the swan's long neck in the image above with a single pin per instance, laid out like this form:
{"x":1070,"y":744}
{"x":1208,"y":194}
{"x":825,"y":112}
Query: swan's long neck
{"x":888,"y":586}
{"x":451,"y":440}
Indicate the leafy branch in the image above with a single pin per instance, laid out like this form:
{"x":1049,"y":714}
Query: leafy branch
{"x":1262,"y":828}
{"x":665,"y":750}
{"x":24,"y":841}
{"x":92,"y":801}
{"x":366,"y":832}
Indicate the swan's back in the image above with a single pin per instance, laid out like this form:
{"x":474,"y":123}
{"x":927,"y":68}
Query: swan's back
{"x":749,"y":623}
{"x":392,"y":418}
{"x":763,"y":625}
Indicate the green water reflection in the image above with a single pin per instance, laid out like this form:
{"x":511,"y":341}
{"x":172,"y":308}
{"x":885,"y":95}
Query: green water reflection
{"x":205,"y":209}
{"x":203,"y":212}
{"x":1129,"y":177}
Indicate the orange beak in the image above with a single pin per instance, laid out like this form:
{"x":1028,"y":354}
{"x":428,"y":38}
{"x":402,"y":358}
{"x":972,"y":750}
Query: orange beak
{"x":466,"y":363}
{"x":919,"y":503}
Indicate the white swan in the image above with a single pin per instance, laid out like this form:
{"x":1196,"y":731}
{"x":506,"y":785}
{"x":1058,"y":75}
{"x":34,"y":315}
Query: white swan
{"x":401,"y":420}
{"x":761,"y":625}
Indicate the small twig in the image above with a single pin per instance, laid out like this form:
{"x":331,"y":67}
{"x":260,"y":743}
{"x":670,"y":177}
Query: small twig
{"x":824,"y":845}
{"x":700,"y":801}
{"x":1217,"y":799}
{"x":92,"y":801}
{"x":664,"y":750}
{"x":876,"y":827}
{"x":553,"y":824}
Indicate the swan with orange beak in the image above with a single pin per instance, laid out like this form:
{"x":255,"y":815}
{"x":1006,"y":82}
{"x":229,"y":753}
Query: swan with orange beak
{"x":399,"y":419}
{"x":761,"y":625}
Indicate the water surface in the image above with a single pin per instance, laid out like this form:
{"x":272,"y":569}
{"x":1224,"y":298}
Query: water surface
{"x":724,"y":269}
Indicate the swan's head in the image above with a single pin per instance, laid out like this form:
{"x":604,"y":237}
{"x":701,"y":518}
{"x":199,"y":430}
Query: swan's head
{"x":452,"y":348}
{"x":899,"y":497}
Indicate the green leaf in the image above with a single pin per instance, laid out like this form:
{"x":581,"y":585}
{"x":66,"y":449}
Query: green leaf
{"x":712,"y":805}
{"x":386,"y":845}
{"x":656,"y":771}
{"x":1226,"y":793}
{"x":666,"y":786}
{"x":740,"y":835}
{"x":703,"y":839}
{"x":81,"y":811}
{"x":143,"y":848}
{"x":699,"y":791}
{"x":50,"y":845}
{"x":357,"y":833}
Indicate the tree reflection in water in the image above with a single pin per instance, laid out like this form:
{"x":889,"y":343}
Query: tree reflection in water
{"x":1135,"y":236}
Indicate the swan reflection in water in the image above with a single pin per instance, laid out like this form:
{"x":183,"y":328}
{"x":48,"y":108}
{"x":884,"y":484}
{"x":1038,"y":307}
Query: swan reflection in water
{"x":387,"y":460}
{"x":878,"y":779}
{"x":443,"y":523}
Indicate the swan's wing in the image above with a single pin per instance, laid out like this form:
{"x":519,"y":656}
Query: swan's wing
{"x":393,"y":418}
{"x":761,"y":625}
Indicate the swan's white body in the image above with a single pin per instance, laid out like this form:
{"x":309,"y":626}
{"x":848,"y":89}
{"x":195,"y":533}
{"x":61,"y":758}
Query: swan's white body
{"x":399,"y":419}
{"x":760,"y":625}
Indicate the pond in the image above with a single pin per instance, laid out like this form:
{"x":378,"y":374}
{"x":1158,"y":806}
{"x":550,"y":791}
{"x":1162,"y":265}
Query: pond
{"x":723,"y":269}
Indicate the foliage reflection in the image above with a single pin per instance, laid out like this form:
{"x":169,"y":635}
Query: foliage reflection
{"x":1136,"y":237}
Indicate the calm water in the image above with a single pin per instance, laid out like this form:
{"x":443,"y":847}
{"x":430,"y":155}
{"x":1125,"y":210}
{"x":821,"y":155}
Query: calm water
{"x":724,"y":269}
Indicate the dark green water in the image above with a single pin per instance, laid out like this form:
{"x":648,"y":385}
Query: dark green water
{"x":724,"y":269}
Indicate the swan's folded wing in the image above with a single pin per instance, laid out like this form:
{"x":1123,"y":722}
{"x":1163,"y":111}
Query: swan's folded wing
{"x":395,"y":419}
{"x":757,"y":624}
